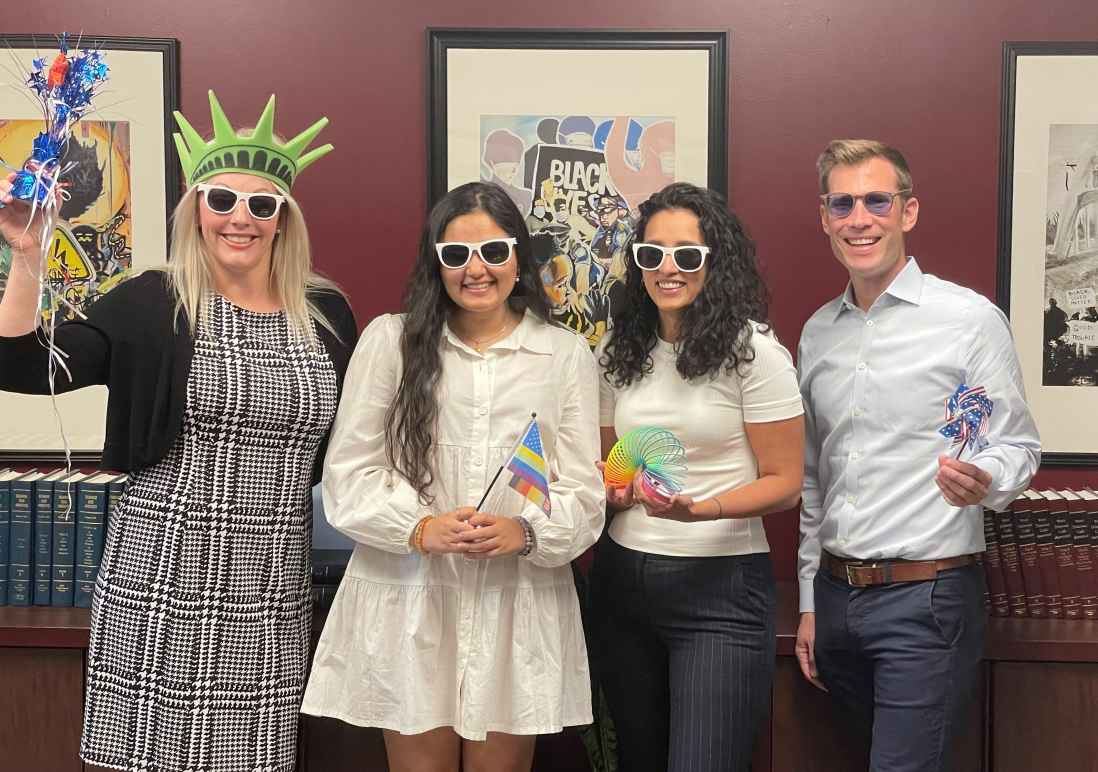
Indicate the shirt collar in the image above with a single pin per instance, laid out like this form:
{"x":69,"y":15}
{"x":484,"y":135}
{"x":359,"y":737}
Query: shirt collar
{"x":531,"y":334}
{"x":907,"y":286}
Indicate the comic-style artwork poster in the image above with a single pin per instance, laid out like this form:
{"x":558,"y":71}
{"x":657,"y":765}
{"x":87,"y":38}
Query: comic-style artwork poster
{"x":91,"y":248}
{"x":1071,"y":257}
{"x":578,"y":180}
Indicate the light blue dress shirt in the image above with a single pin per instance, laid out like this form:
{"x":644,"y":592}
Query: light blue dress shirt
{"x":874,"y":387}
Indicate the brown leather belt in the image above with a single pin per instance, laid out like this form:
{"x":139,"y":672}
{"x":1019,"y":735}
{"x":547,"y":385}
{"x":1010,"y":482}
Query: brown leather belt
{"x":868,"y":573}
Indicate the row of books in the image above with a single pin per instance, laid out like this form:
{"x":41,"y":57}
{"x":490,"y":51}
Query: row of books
{"x":1042,"y":556}
{"x":52,"y":526}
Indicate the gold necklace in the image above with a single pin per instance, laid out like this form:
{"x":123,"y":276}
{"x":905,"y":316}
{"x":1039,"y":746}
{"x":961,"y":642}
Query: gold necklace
{"x":478,"y":343}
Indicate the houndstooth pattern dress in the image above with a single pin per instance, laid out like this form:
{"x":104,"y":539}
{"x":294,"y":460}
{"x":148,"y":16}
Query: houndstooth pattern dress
{"x":201,"y":616}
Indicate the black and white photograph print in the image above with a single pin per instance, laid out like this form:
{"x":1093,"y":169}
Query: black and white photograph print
{"x":1070,"y":340}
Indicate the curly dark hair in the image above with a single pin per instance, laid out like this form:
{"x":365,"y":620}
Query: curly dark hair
{"x":412,"y":418}
{"x":711,"y":335}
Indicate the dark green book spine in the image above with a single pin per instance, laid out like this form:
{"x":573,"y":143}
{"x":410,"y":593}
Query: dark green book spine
{"x":20,"y":583}
{"x":5,"y":538}
{"x":90,"y":518}
{"x":43,"y":541}
{"x":64,"y":547}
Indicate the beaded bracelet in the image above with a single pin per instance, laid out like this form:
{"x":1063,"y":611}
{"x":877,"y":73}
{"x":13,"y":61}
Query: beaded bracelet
{"x":417,"y":535}
{"x":528,"y":534}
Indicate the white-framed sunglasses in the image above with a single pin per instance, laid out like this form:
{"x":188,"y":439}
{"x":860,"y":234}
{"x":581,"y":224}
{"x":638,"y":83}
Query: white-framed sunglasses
{"x":457,"y":254}
{"x":687,"y":258}
{"x":222,"y":200}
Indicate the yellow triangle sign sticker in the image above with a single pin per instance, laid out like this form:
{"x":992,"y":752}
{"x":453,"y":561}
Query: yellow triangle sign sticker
{"x":67,"y":261}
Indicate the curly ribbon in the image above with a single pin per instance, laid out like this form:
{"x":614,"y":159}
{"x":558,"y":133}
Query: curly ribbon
{"x":65,"y":89}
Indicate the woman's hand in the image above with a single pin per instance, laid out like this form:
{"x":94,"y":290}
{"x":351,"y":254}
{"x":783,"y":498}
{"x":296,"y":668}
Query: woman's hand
{"x":17,"y":227}
{"x":679,"y":507}
{"x":493,"y":536}
{"x":617,"y":497}
{"x":444,"y":532}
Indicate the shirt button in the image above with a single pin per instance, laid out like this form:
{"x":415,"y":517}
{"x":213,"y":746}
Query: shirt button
{"x":851,"y":499}
{"x":484,"y":411}
{"x":869,"y":323}
{"x":861,"y":367}
{"x":854,"y":455}
{"x":477,"y":461}
{"x":857,"y":412}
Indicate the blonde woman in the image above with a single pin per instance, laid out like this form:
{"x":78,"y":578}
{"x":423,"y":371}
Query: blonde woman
{"x":224,"y":372}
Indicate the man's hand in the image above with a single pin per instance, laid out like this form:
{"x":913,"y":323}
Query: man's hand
{"x":961,"y":484}
{"x":806,"y":649}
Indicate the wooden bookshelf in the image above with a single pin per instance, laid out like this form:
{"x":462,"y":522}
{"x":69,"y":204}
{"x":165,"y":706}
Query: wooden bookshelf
{"x":1036,"y":709}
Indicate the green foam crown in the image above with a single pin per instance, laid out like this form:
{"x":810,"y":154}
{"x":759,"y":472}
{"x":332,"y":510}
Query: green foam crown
{"x":255,"y":152}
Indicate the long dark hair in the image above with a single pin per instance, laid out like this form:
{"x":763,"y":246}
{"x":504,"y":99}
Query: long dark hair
{"x":712,"y":331}
{"x":412,"y":418}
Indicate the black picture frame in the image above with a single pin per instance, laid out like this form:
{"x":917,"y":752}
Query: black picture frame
{"x":164,"y":51}
{"x":532,"y":111}
{"x":441,"y":41}
{"x":1035,"y":77}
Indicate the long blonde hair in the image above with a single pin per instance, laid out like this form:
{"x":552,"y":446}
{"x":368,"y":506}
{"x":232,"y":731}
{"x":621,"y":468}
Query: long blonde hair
{"x":292,"y":275}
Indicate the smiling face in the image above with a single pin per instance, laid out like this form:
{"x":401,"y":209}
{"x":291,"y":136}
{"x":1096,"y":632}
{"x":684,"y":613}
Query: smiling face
{"x":478,"y":287}
{"x":673,"y":290}
{"x":238,"y":244}
{"x":869,"y":246}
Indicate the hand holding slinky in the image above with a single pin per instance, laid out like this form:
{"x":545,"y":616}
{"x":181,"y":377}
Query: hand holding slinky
{"x":618,"y":497}
{"x":443,"y":533}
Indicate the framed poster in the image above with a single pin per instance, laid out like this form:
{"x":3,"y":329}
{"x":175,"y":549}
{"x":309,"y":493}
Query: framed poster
{"x":1048,"y":238}
{"x":579,"y":127}
{"x":122,"y":186}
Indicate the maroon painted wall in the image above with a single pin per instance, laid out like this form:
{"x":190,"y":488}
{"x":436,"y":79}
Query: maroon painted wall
{"x":924,"y":76}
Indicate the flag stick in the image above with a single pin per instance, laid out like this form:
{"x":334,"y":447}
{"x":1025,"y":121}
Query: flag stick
{"x":522,"y":435}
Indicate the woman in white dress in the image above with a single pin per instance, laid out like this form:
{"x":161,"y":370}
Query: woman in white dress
{"x":457,"y":631}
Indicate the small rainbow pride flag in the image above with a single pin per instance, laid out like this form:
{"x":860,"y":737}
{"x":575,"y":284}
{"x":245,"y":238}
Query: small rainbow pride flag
{"x":530,"y":473}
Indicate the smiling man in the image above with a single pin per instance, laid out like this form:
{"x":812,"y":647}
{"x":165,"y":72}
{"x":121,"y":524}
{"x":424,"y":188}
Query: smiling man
{"x":891,"y":597}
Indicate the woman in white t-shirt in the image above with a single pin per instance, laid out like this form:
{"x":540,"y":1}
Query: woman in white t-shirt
{"x":458,"y":631}
{"x":683,"y":593}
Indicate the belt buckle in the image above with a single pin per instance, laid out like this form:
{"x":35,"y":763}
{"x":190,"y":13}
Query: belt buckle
{"x":853,"y":566}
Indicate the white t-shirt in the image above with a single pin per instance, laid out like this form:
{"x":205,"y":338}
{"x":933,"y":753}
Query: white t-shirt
{"x":707,"y":414}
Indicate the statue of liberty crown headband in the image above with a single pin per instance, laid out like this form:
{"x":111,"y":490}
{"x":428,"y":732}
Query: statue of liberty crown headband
{"x":256,"y":152}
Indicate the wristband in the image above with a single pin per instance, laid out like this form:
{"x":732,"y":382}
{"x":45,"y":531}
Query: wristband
{"x":417,"y":535}
{"x":528,"y":534}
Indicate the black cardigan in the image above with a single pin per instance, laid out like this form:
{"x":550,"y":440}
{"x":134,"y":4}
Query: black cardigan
{"x":130,"y":344}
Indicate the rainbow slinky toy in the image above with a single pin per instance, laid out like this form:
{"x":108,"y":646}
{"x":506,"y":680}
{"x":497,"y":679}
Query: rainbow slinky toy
{"x":655,"y":454}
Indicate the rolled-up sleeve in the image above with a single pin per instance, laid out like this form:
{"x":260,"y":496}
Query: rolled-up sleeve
{"x":364,"y":496}
{"x":576,"y":493}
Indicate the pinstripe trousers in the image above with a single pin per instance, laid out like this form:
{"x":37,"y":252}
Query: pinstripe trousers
{"x":684,"y":650}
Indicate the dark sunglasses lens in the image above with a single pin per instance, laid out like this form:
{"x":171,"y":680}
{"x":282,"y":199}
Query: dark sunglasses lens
{"x":840,"y":204}
{"x":649,"y":258}
{"x":220,"y":200}
{"x":878,"y":202}
{"x":263,"y":207}
{"x":689,"y":259}
{"x":495,"y":252}
{"x":455,"y":255}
